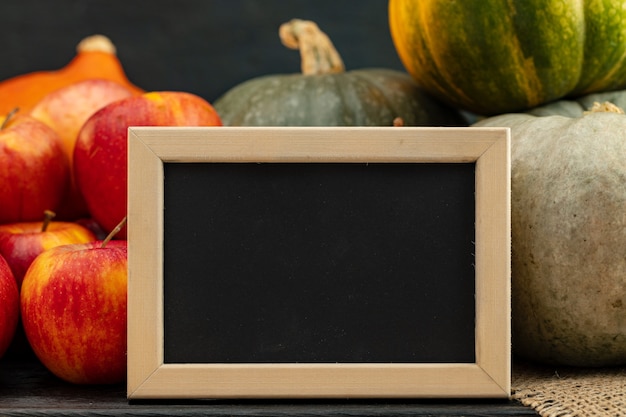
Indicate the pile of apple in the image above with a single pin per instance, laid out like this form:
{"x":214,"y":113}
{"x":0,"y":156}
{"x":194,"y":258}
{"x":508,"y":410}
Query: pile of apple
{"x":64,"y":279}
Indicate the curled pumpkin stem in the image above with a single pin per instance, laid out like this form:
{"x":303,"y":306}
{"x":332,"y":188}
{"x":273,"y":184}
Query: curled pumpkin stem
{"x":606,"y":107}
{"x":317,"y":52}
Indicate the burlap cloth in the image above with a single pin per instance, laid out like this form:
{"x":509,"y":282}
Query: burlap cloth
{"x":566,"y":391}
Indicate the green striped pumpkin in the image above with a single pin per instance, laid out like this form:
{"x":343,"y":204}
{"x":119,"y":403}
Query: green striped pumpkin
{"x":498,"y":56}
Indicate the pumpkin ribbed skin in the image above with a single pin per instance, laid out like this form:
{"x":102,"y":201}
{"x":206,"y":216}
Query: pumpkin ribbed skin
{"x":367,"y":97}
{"x":568,"y":226}
{"x":497,"y":56}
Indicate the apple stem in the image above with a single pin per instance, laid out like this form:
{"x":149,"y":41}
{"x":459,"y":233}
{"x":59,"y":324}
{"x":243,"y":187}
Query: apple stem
{"x":48,"y":215}
{"x":113,"y":232}
{"x":9,"y":116}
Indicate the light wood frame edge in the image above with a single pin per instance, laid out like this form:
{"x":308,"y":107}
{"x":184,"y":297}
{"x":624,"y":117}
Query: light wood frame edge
{"x":149,"y":148}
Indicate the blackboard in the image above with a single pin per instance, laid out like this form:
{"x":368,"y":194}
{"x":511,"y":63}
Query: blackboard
{"x":318,"y":262}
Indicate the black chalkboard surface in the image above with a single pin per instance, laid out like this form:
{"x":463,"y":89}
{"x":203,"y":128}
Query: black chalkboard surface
{"x":319,"y":263}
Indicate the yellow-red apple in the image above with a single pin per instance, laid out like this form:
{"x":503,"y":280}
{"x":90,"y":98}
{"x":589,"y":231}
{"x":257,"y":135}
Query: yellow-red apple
{"x":100,"y":153}
{"x":34,"y":171}
{"x":73,"y":305}
{"x":20,"y":243}
{"x":66,"y":110}
{"x":9,"y":306}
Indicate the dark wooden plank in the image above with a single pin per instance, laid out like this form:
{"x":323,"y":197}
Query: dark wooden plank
{"x":28,"y":389}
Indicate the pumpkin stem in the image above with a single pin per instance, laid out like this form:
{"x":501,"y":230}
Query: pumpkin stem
{"x":606,"y":107}
{"x":317,"y":53}
{"x":98,"y":43}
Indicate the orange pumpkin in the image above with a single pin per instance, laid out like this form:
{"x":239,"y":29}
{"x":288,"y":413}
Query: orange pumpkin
{"x":95,"y":58}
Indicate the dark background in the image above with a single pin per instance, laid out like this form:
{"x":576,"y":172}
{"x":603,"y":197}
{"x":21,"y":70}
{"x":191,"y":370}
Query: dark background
{"x":200,"y":46}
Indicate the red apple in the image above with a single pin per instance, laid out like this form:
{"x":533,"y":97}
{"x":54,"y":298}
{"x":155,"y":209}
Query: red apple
{"x":34,"y":171}
{"x":100,"y":154}
{"x":20,"y":243}
{"x":9,"y":306}
{"x":73,"y":304}
{"x":66,"y":110}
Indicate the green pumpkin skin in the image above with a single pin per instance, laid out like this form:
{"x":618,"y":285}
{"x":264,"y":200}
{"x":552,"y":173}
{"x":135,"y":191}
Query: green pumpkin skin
{"x":365,"y":97}
{"x":494,"y":56}
{"x":568,"y":221}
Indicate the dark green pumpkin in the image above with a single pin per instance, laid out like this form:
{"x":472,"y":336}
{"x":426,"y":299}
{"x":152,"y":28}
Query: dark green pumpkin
{"x":330,"y":96}
{"x":496,"y":56}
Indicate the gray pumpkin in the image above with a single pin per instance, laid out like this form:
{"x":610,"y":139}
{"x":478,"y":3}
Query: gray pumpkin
{"x":568,"y":221}
{"x":324,"y":94}
{"x":577,"y":107}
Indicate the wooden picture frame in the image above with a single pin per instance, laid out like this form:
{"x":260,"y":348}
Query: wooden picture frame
{"x":149,"y":148}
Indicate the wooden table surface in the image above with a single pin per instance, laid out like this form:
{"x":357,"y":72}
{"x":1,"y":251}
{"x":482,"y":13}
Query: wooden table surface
{"x":28,"y":389}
